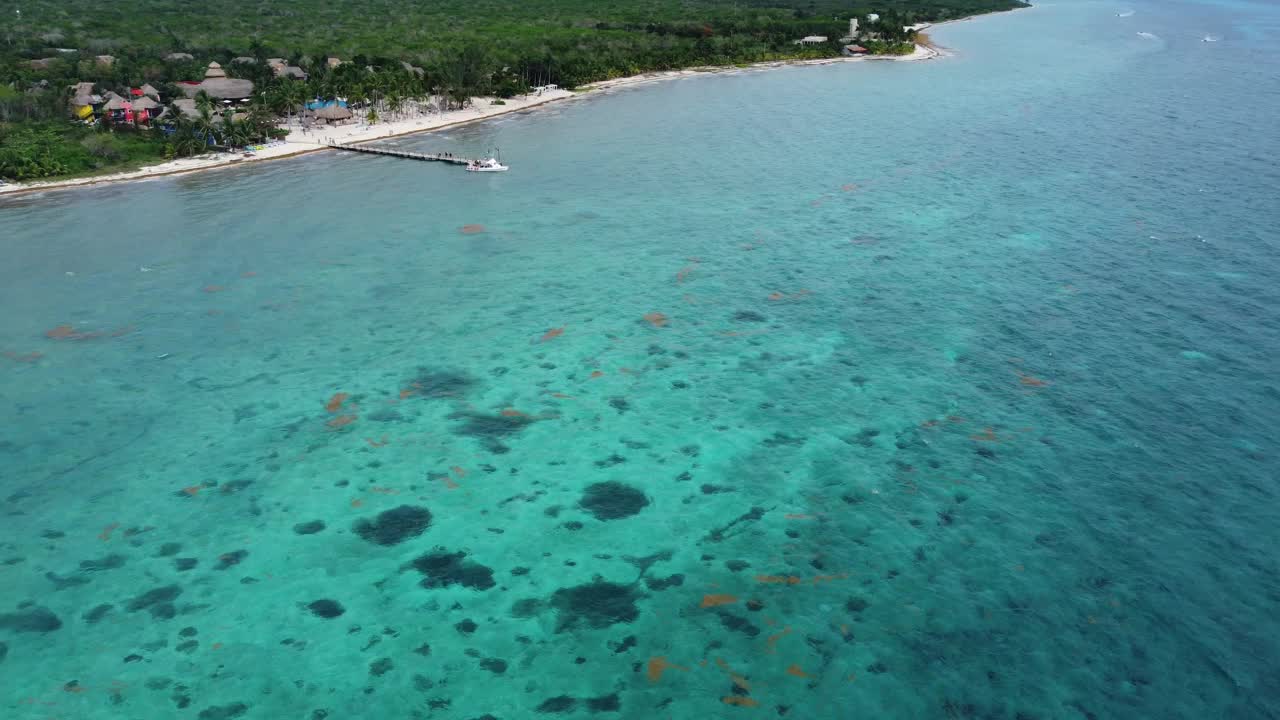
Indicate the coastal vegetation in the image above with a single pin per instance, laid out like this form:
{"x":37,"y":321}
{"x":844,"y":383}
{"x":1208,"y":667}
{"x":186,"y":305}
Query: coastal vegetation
{"x":395,"y":54}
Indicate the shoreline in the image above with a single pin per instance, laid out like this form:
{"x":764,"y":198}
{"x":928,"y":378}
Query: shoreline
{"x":316,"y":140}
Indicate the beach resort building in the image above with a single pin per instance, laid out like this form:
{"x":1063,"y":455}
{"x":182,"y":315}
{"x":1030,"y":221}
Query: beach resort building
{"x":218,"y":86}
{"x":812,"y":40}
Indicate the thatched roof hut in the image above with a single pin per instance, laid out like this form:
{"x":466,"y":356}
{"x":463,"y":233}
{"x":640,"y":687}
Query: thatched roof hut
{"x":227,"y":88}
{"x":115,"y":102}
{"x":244,"y":60}
{"x":331,"y":113}
{"x":145,"y":103}
{"x":215,"y":71}
{"x":150,"y":91}
{"x":175,"y":56}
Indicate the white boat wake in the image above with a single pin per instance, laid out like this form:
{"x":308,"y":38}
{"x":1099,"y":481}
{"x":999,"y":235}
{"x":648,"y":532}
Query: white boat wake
{"x":1126,"y":13}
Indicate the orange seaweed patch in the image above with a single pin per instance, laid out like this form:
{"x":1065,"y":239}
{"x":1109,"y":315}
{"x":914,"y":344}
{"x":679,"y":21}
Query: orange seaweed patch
{"x":459,"y":472}
{"x":192,"y":490}
{"x":384,"y":491}
{"x":659,"y":665}
{"x":25,"y":357}
{"x":105,"y":535}
{"x":849,"y":187}
{"x":213,"y":288}
{"x":512,"y":412}
{"x":739,"y":700}
{"x":357,"y":503}
{"x":796,"y":671}
{"x":552,"y":334}
{"x":828,"y":578}
{"x":797,"y":516}
{"x":929,"y":423}
{"x":471,"y":229}
{"x":248,"y":274}
{"x":66,"y":332}
{"x":406,"y":393}
{"x":717,"y":600}
{"x":776,"y":296}
{"x":778,"y":579}
{"x":377,"y":443}
{"x":341,"y":421}
{"x":335,"y":402}
{"x":955,"y":419}
{"x":988,"y":435}
{"x":656,"y":319}
{"x":597,"y":373}
{"x":562,"y":396}
{"x":216,"y":646}
{"x":1031,"y":381}
{"x":684,"y":271}
{"x":772,"y":641}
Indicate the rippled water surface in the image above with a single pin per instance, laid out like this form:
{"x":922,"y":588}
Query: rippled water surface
{"x":901,"y":390}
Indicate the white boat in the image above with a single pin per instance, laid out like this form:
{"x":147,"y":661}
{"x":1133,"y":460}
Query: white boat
{"x":486,"y":165}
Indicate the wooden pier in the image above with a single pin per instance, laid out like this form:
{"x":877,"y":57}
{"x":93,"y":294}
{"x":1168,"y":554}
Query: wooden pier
{"x":426,"y":157}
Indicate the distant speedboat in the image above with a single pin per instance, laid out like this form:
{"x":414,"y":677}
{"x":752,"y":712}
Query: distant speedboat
{"x":1128,"y":13}
{"x":1208,"y":38}
{"x":486,"y":165}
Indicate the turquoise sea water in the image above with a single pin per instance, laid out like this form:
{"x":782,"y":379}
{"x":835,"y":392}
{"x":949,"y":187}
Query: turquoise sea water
{"x":903,"y":390}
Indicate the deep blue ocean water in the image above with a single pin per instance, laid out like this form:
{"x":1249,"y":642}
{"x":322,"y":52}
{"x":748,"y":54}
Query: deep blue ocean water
{"x":900,"y":390}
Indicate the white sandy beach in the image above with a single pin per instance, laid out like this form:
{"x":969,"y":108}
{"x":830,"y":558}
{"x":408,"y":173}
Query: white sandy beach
{"x":318,"y":139}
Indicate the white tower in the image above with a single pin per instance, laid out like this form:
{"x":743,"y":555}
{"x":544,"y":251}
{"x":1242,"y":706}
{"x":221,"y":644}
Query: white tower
{"x":853,"y":27}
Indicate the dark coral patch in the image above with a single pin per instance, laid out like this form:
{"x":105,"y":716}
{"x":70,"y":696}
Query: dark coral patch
{"x":612,"y":500}
{"x":154,"y":598}
{"x":489,"y":427}
{"x":497,"y":666}
{"x":394,"y":526}
{"x":231,"y":559}
{"x":326,"y":608}
{"x":436,"y":384}
{"x":558,"y":704}
{"x":311,"y":527}
{"x":223,"y":712}
{"x":605,"y":703}
{"x":598,"y":604}
{"x":110,"y":562}
{"x":443,"y":568}
{"x":748,"y":316}
{"x":30,"y":619}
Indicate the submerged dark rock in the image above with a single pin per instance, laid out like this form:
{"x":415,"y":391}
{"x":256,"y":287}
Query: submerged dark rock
{"x":394,"y":526}
{"x":30,"y":619}
{"x":612,"y":500}
{"x":596,"y":605}
{"x":443,"y":568}
{"x":748,"y":316}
